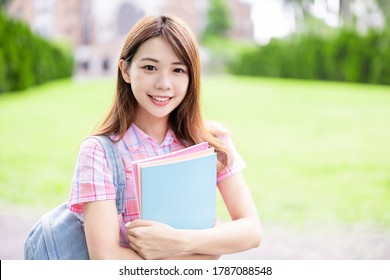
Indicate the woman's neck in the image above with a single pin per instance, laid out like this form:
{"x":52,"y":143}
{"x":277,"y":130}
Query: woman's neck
{"x":156,"y":128}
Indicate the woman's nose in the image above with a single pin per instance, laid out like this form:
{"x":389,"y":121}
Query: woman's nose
{"x":163,"y":82}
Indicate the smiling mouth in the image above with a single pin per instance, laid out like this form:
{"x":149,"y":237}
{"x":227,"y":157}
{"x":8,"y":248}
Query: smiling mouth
{"x":161,"y":98}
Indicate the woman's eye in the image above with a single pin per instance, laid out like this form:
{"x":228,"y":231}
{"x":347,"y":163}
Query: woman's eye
{"x":179,"y":70}
{"x":149,"y":67}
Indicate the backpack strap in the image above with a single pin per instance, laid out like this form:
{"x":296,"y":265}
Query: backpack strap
{"x":117,"y":169}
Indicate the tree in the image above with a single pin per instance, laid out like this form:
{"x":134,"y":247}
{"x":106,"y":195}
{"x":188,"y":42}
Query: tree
{"x":345,"y":13}
{"x":301,"y":10}
{"x":218,"y":19}
{"x":4,"y":3}
{"x":384,"y":6}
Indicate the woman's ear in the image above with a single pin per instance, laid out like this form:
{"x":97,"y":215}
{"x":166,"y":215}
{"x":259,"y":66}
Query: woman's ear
{"x":124,"y":70}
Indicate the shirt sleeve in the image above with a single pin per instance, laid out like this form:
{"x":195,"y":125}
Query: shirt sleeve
{"x":92,"y":179}
{"x":235,"y":161}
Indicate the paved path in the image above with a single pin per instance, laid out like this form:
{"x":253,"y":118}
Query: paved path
{"x":280,"y":241}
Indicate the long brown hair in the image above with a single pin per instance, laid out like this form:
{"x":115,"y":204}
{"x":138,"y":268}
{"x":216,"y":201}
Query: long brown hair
{"x":185,"y":120}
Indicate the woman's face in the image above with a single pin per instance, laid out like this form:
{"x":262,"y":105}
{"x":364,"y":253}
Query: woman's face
{"x":159,"y":79}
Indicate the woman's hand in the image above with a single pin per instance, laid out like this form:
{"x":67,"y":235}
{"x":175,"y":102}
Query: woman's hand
{"x":154,"y":240}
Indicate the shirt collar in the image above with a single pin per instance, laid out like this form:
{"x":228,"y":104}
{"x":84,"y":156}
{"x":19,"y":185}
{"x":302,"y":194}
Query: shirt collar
{"x":135,"y":137}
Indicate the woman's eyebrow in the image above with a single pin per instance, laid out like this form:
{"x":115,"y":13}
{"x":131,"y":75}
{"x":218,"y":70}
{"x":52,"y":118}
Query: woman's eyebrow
{"x":150,"y":59}
{"x":177,"y":63}
{"x":156,"y":61}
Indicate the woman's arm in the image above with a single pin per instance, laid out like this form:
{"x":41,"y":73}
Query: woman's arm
{"x":155,"y":240}
{"x":101,"y":224}
{"x":240,"y":234}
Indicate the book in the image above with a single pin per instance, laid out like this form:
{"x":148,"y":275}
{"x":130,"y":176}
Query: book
{"x":188,"y":150}
{"x":179,"y":188}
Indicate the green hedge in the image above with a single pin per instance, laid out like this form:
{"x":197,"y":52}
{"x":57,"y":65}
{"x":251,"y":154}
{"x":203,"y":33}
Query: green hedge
{"x":27,"y":59}
{"x":344,"y":56}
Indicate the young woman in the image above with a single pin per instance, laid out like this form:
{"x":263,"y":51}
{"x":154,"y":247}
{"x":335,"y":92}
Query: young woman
{"x":156,"y":110}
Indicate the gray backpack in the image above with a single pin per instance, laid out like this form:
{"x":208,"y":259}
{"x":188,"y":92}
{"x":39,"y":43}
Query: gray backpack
{"x":59,"y":234}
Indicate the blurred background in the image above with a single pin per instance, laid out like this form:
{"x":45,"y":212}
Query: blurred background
{"x":303,"y":86}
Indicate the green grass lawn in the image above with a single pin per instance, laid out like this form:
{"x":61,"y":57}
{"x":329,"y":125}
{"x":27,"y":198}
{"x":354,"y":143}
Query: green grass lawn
{"x":315,"y":151}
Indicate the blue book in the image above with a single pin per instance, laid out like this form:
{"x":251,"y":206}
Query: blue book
{"x":180,"y":192}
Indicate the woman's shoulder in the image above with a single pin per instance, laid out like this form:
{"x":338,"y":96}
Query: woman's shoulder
{"x":91,"y":144}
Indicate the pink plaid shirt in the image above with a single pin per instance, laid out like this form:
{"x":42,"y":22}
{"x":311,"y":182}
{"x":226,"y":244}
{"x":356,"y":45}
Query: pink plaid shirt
{"x":92,"y":180}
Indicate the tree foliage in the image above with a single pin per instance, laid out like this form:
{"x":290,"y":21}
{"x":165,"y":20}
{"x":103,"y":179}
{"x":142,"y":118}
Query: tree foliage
{"x":4,"y":3}
{"x":27,"y":59}
{"x":218,"y":19}
{"x":344,"y":11}
{"x":345,"y":56}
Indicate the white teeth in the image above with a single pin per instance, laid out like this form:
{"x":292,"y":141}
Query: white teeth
{"x":160,"y":99}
